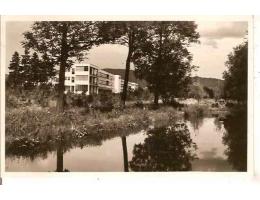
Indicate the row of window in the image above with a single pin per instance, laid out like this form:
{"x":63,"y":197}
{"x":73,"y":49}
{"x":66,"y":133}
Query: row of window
{"x":77,"y":88}
{"x":102,"y":82}
{"x":78,"y":78}
{"x":93,"y":71}
{"x":103,"y":75}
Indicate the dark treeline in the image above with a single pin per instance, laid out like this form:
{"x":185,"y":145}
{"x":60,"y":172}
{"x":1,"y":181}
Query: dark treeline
{"x":235,"y":76}
{"x":28,"y":71}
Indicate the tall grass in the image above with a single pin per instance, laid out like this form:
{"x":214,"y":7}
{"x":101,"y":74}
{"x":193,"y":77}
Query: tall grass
{"x":43,"y":125}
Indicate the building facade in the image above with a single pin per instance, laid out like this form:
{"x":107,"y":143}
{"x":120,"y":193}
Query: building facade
{"x":105,"y":81}
{"x":90,"y":79}
{"x":82,"y":78}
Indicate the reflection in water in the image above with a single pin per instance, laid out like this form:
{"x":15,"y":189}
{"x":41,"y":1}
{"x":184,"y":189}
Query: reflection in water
{"x":235,"y":138}
{"x":165,"y":149}
{"x":221,"y":145}
{"x":60,"y":158}
{"x":125,"y":156}
{"x":218,"y":123}
{"x":195,"y":120}
{"x":61,"y":148}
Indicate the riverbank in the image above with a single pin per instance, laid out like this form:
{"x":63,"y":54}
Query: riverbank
{"x":33,"y":126}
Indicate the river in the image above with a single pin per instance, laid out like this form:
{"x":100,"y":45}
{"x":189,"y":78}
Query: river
{"x":203,"y":144}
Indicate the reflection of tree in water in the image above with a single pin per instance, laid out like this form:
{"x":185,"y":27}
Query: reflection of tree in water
{"x":60,"y":153}
{"x":218,"y":123}
{"x":235,"y":138}
{"x":165,"y":149}
{"x":195,"y":120}
{"x":125,"y":156}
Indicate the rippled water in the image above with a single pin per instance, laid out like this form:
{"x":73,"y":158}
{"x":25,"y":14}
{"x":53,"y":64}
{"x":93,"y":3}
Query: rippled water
{"x":145,"y":152}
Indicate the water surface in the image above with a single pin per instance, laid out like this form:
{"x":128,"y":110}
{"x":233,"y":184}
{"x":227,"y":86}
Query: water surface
{"x":157,"y":149}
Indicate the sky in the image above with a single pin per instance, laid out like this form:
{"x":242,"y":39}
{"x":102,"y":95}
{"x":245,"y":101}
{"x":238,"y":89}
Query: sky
{"x":217,"y":40}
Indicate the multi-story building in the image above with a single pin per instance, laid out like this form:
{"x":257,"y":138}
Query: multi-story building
{"x":91,"y":79}
{"x":82,"y":78}
{"x":105,"y":81}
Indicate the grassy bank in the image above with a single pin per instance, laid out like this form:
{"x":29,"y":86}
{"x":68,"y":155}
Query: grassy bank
{"x":36,"y":126}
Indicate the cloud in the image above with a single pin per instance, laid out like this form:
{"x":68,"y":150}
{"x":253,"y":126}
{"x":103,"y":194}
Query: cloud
{"x":220,"y":30}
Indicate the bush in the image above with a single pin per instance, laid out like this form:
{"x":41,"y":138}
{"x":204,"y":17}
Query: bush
{"x":40,"y":95}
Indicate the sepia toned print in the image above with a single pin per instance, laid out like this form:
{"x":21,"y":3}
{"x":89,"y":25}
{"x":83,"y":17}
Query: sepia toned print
{"x":126,"y":96}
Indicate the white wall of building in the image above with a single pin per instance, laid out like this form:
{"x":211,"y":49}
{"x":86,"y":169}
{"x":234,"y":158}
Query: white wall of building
{"x":117,"y":84}
{"x":78,"y":76}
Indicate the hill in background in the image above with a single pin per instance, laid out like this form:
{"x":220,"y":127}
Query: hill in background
{"x":132,"y":78}
{"x":212,"y":83}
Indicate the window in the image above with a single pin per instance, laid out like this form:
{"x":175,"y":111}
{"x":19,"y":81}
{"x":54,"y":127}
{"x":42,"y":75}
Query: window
{"x":81,"y":77}
{"x":67,"y":78}
{"x":73,"y":71}
{"x":82,"y":88}
{"x":72,"y":79}
{"x":82,"y":68}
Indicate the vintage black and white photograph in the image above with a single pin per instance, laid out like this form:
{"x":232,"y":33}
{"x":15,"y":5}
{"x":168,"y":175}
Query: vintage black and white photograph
{"x":126,"y":95}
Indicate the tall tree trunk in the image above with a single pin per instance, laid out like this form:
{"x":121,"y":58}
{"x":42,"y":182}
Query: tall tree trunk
{"x":127,"y":69}
{"x":158,"y":69}
{"x":63,"y":61}
{"x":123,"y":138}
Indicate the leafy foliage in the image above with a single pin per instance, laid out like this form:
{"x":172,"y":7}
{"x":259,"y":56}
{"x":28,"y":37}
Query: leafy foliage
{"x":162,"y":57}
{"x":127,"y":33}
{"x":15,"y":75}
{"x":30,"y":71}
{"x":236,"y":75}
{"x":209,"y":91}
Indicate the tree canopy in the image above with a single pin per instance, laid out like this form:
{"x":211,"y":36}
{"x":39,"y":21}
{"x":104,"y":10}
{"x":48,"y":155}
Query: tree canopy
{"x":15,"y":75}
{"x":162,"y":57}
{"x":235,"y":76}
{"x":126,"y":33}
{"x":30,"y":70}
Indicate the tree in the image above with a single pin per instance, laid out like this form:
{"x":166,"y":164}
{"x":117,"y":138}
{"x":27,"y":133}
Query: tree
{"x":196,"y":91}
{"x":26,"y":70}
{"x":162,"y":57}
{"x":127,"y":33}
{"x":235,"y":85}
{"x":64,"y":42}
{"x":47,"y":69}
{"x":209,"y":91}
{"x":15,"y":75}
{"x":34,"y":73}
